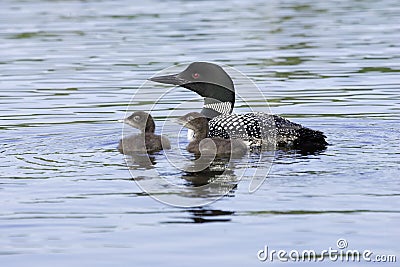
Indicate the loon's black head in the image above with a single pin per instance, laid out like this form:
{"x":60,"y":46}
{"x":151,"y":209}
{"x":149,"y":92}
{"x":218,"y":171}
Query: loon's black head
{"x":142,"y":121}
{"x":209,"y":81}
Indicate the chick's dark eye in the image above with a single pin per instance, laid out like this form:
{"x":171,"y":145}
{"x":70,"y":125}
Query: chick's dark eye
{"x":195,"y":75}
{"x":136,"y":118}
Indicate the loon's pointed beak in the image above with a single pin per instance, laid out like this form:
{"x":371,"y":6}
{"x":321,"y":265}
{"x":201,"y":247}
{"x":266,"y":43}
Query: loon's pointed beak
{"x":169,"y":79}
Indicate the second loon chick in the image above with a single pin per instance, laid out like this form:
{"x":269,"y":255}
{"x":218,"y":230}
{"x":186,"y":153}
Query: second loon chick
{"x":216,"y":86}
{"x":147,"y":140}
{"x":203,"y":145}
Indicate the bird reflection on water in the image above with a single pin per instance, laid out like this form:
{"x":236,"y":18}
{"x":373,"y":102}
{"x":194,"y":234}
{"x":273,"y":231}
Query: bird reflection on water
{"x":199,"y":178}
{"x":202,"y":215}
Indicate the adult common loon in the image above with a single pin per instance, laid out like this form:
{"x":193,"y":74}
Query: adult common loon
{"x":216,"y":86}
{"x":203,"y":145}
{"x":147,"y":140}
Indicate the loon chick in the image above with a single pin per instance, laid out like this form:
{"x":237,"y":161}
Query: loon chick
{"x":147,"y":140}
{"x":203,"y":145}
{"x":216,"y":86}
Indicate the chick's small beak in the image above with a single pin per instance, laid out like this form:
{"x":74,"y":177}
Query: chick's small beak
{"x":179,"y":121}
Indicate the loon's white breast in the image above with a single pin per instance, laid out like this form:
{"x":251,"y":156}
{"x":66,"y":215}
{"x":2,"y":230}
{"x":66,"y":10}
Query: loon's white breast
{"x":190,"y":135}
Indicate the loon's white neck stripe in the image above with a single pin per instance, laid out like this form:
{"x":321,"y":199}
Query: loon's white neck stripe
{"x":221,"y":107}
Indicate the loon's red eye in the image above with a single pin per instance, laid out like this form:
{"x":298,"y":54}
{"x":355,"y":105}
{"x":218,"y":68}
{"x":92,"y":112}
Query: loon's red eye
{"x":195,"y":75}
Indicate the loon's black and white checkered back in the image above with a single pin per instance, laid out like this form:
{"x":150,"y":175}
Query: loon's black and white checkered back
{"x":263,"y":129}
{"x":252,"y":127}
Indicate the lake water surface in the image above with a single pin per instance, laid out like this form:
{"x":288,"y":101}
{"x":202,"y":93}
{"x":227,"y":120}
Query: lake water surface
{"x":69,"y":70}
